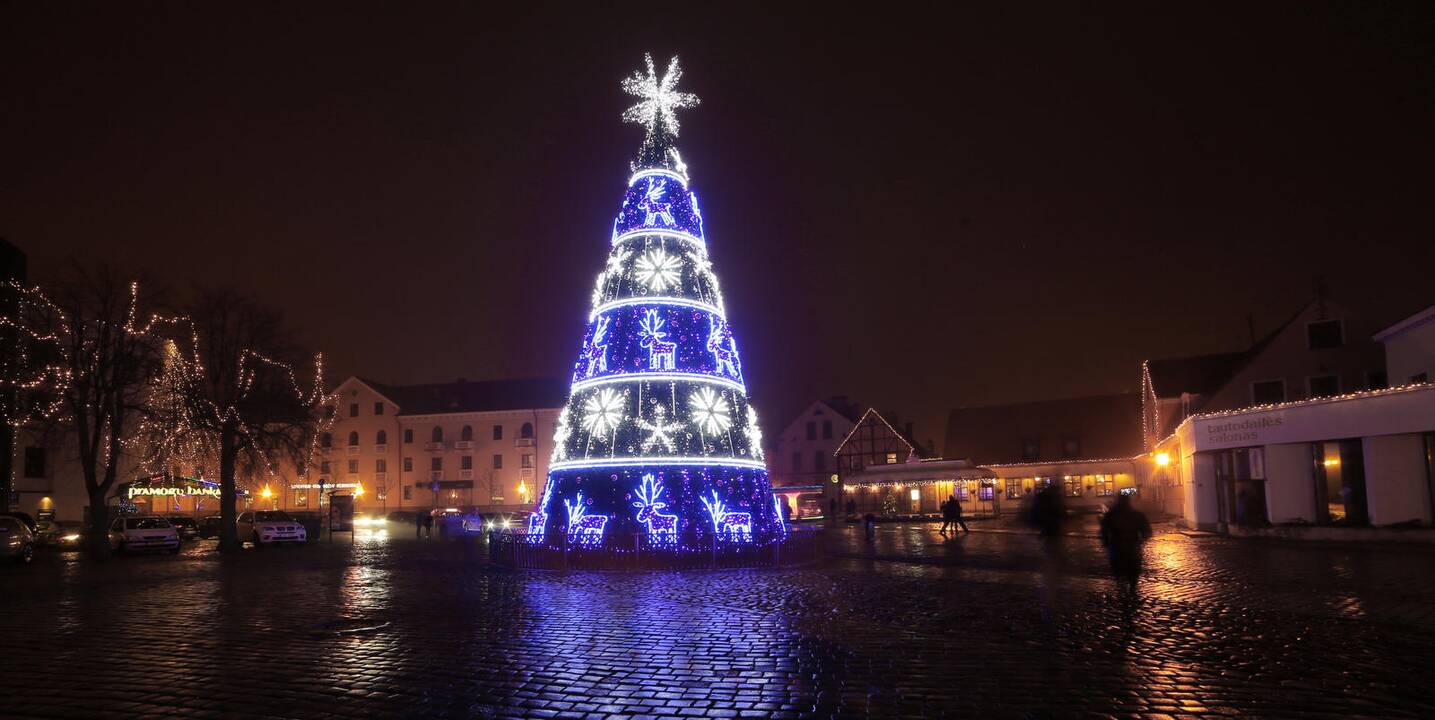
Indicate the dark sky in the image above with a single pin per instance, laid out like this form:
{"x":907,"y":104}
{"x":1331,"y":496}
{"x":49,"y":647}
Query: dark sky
{"x":921,"y":211}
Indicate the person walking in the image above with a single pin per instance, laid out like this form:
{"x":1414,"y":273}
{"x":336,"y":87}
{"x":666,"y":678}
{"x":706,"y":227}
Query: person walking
{"x":947,"y":514}
{"x":418,"y":525}
{"x":1124,"y":529}
{"x":428,"y":524}
{"x":957,"y":516}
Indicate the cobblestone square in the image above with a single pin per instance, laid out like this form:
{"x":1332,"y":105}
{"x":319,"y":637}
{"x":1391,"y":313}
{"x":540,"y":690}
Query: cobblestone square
{"x":909,"y":625}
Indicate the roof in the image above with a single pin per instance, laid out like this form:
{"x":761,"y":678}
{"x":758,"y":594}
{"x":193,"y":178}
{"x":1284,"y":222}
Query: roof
{"x":1201,"y":374}
{"x":843,"y":406}
{"x":1420,"y":318}
{"x":466,"y":396}
{"x":1101,"y":425}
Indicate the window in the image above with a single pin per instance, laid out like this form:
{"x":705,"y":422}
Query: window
{"x":1323,"y":385}
{"x":826,"y":429}
{"x":408,"y":435}
{"x":1105,"y":487}
{"x":408,"y":464}
{"x":436,"y":464}
{"x":1376,"y":379}
{"x":819,"y":461}
{"x":437,"y":434}
{"x":353,"y":409}
{"x":1013,"y":488}
{"x":1030,"y":449}
{"x":378,"y":408}
{"x":382,"y":438}
{"x":497,"y":432}
{"x":985,"y":491}
{"x":497,"y":462}
{"x":353,"y":438}
{"x":326,"y":440}
{"x":797,"y":462}
{"x":465,"y":462}
{"x":526,"y":461}
{"x":1073,"y":486}
{"x":408,"y":493}
{"x":1324,"y":334}
{"x":324,"y":468}
{"x":381,"y":465}
{"x":812,"y":431}
{"x":301,"y":498}
{"x":891,"y":458}
{"x":526,"y":432}
{"x":353,"y":467}
{"x":34,"y":462}
{"x":466,"y":434}
{"x":1266,"y":392}
{"x":1071,"y":447}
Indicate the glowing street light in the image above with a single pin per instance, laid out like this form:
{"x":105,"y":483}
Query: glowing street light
{"x":1163,"y":459}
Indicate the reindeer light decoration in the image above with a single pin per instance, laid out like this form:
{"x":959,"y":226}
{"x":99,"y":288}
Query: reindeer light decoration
{"x":583,"y":528}
{"x":652,"y":205}
{"x":597,"y":353}
{"x":723,"y":347}
{"x":538,"y":521}
{"x":736,"y":525}
{"x":662,"y":355}
{"x":649,"y":505}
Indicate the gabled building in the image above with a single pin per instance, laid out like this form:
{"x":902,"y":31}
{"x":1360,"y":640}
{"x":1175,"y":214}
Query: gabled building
{"x":1098,"y":426}
{"x":1410,"y":348}
{"x":800,"y":459}
{"x":1321,"y":351}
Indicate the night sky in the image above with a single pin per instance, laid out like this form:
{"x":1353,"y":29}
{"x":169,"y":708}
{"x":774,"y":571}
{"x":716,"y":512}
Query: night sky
{"x":919,"y":211}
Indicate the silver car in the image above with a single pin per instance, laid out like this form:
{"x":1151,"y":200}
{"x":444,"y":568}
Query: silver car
{"x":16,"y":540}
{"x":270,"y":527}
{"x":143,"y":533}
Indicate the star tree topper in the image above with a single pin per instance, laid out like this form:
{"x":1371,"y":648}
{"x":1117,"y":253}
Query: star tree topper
{"x":658,"y":98}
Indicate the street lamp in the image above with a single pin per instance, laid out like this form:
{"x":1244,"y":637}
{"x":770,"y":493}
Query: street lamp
{"x":267,"y":494}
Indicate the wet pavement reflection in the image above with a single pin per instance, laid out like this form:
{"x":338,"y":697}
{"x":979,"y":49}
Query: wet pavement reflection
{"x":909,"y":624}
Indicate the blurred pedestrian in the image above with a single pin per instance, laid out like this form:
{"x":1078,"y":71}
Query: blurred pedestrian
{"x":869,"y":524}
{"x":957,"y":515}
{"x":1123,"y":531}
{"x":947,"y":513}
{"x":418,"y":525}
{"x":428,"y":524}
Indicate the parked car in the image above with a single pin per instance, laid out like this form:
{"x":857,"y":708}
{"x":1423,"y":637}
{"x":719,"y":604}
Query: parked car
{"x":186,"y":526}
{"x":313,"y":523}
{"x":145,"y":532}
{"x":24,"y":518}
{"x":208,"y":526}
{"x":60,"y":534}
{"x":16,"y":540}
{"x":269,"y":527}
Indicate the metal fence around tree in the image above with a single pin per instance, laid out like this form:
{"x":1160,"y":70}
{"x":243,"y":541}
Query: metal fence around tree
{"x":643,"y":551}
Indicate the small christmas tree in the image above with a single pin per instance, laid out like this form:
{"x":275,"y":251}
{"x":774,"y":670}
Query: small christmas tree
{"x":658,"y":436}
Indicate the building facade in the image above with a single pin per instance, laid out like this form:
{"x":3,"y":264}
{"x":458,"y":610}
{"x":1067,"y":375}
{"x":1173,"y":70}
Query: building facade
{"x":801,"y":459}
{"x":1410,"y":348}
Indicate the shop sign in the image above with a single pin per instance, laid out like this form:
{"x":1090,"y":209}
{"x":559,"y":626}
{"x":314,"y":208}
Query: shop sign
{"x":174,"y":491}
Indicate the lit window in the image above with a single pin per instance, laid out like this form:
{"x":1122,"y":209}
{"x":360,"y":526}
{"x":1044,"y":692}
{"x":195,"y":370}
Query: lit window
{"x":891,"y":458}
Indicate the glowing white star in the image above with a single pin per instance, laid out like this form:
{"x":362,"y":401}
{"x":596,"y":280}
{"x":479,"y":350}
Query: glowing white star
{"x":657,"y":270}
{"x":657,"y":97}
{"x":710,"y":411}
{"x":603,"y":411}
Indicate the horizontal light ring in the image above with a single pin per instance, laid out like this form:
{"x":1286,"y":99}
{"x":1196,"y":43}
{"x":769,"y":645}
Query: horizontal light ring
{"x":659,"y":377}
{"x":656,"y":300}
{"x":675,"y":234}
{"x":637,"y":461}
{"x":657,"y":171}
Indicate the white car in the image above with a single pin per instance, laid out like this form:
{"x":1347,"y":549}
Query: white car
{"x":268,"y":527}
{"x":143,"y":533}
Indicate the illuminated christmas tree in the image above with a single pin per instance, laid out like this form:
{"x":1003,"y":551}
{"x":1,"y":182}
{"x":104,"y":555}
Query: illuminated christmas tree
{"x":657,"y":436}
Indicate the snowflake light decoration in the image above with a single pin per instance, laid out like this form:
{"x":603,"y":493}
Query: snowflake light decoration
{"x":657,"y":97}
{"x":603,"y":412}
{"x":660,"y":432}
{"x":560,"y":442}
{"x":754,"y":434}
{"x":657,"y":269}
{"x":710,"y":411}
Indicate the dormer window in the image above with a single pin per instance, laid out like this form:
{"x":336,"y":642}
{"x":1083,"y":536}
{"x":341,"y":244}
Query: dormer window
{"x":1323,"y":334}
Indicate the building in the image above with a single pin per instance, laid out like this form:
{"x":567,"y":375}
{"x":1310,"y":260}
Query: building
{"x":801,"y":458}
{"x":1410,"y":348}
{"x":411,"y":447}
{"x":1321,"y":351}
{"x":1099,"y":426}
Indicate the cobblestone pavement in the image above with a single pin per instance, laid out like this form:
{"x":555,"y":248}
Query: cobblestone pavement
{"x":911,"y":624}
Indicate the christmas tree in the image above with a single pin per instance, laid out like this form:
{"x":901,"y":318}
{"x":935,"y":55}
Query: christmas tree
{"x":658,"y":437}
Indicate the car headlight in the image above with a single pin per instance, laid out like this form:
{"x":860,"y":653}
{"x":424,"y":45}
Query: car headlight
{"x":71,"y":537}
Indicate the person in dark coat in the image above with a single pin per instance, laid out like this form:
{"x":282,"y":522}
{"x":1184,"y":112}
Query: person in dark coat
{"x":947,"y":514}
{"x":957,"y":515}
{"x":418,"y":525}
{"x":1123,"y":531}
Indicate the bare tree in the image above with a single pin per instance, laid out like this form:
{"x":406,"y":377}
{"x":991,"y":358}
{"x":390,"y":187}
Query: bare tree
{"x":96,"y":367}
{"x":233,"y":398}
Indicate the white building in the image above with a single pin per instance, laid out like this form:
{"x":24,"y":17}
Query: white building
{"x":1410,"y":348}
{"x":800,"y":459}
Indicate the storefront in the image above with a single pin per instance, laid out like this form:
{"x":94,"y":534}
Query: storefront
{"x":1087,"y":485}
{"x":1362,"y":459}
{"x":170,"y":495}
{"x":916,"y":489}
